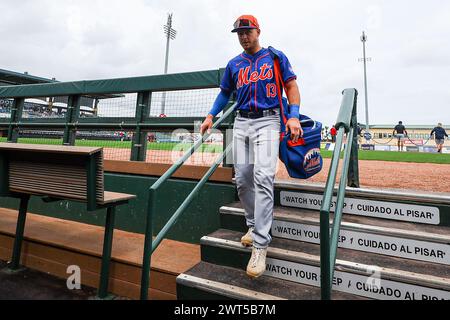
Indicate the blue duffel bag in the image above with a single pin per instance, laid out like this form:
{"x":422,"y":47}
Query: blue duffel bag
{"x":302,"y":159}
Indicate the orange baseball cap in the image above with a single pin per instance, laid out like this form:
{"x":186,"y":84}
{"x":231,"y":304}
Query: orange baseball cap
{"x":245,"y":22}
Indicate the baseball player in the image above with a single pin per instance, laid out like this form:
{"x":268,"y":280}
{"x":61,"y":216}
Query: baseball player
{"x":400,"y":132}
{"x":439,"y":136}
{"x":256,"y":131}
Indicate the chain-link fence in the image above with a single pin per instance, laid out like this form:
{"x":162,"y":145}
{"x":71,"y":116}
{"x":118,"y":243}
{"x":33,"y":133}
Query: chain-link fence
{"x":116,"y":144}
{"x":186,"y":103}
{"x":47,"y":136}
{"x":165,"y":129}
{"x":113,"y":106}
{"x":50,"y":108}
{"x":168,"y":147}
{"x":5,"y":107}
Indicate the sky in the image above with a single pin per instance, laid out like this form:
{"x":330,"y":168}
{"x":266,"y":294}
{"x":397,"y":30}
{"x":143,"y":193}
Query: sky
{"x":408,"y":43}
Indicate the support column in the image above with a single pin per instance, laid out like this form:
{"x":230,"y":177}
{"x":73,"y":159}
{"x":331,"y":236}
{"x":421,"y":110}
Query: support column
{"x":73,"y":111}
{"x":139,"y":147}
{"x":106,"y":256}
{"x":20,"y":227}
{"x":16,"y":116}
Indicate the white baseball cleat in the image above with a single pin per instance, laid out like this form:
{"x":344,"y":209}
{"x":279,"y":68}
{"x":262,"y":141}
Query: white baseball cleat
{"x":257,"y":264}
{"x":247,"y":239}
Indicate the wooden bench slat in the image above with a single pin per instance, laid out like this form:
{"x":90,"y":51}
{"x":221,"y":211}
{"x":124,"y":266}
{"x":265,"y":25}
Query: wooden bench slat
{"x":59,"y":195}
{"x":50,"y":178}
{"x":42,"y":186}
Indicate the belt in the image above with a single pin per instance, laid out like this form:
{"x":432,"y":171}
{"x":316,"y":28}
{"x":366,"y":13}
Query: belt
{"x":257,"y":114}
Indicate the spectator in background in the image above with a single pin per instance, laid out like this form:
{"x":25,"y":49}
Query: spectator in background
{"x":439,"y":136}
{"x":400,"y":133}
{"x":333,"y":133}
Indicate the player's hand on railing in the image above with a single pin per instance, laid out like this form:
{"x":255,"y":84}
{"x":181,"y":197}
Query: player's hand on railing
{"x":207,"y":124}
{"x":293,"y":125}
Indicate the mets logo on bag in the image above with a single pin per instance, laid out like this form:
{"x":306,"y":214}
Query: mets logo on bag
{"x":313,"y":160}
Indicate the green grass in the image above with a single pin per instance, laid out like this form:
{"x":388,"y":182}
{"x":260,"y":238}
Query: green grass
{"x":167,"y":146}
{"x":416,"y":157}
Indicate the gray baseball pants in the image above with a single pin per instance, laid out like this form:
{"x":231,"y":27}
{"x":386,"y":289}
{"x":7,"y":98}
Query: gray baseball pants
{"x":255,"y":156}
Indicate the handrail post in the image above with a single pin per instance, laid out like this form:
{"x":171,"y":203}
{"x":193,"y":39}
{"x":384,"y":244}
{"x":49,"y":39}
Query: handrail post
{"x":353,"y":171}
{"x":146,"y":263}
{"x":346,"y":122}
{"x":325,"y":279}
{"x":340,"y":205}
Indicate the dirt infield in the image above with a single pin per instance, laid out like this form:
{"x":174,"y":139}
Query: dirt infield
{"x":392,"y":175}
{"x":373,"y":174}
{"x":162,"y":156}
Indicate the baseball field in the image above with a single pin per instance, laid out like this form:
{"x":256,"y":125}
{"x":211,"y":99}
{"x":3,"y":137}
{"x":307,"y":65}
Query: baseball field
{"x":378,"y":169}
{"x":410,"y":157}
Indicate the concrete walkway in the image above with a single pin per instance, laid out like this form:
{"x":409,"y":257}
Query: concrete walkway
{"x":35,"y":285}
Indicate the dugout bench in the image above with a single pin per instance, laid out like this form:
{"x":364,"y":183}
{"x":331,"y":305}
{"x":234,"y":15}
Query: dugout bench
{"x":58,"y":173}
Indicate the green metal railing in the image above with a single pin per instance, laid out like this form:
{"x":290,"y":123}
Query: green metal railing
{"x":150,"y":244}
{"x":346,"y":124}
{"x":140,"y":124}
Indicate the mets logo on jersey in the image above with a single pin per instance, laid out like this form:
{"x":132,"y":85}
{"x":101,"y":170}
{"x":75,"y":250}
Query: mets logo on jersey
{"x":313,"y":160}
{"x":244,"y":77}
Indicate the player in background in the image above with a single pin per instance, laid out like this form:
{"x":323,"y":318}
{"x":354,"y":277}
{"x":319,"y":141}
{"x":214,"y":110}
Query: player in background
{"x":333,"y":133}
{"x":256,"y":132}
{"x":439,"y":136}
{"x":400,"y":132}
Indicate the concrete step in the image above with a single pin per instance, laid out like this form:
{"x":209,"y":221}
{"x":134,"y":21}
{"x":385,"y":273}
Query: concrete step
{"x":208,"y":281}
{"x":392,"y":238}
{"x":365,"y":274}
{"x":424,"y":208}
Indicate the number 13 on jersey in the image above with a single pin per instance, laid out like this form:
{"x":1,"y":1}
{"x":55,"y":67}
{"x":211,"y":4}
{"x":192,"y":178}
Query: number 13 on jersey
{"x":271,"y":90}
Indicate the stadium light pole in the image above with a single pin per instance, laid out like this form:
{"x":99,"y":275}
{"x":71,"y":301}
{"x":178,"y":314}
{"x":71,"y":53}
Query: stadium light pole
{"x":170,"y":34}
{"x":363,"y":40}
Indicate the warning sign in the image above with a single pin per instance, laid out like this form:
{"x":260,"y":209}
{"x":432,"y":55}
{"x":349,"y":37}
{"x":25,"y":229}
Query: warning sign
{"x":370,"y":285}
{"x":367,"y":242}
{"x":368,"y":208}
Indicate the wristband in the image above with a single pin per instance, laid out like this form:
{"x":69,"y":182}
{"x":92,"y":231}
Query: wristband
{"x":294,"y":111}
